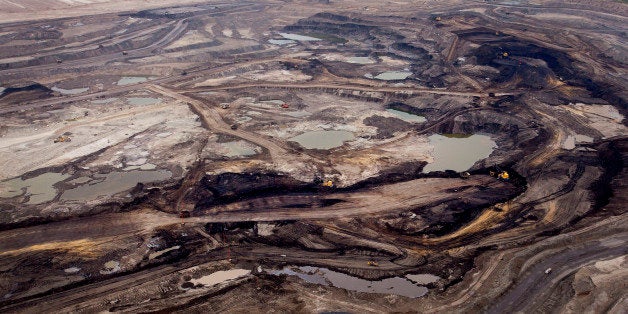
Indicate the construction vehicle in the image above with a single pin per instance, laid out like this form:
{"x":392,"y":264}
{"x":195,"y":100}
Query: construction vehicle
{"x":499,"y":174}
{"x":62,"y":139}
{"x":328,"y":183}
{"x":438,"y":19}
{"x":372,"y":263}
{"x":505,"y":54}
{"x":465,"y":175}
{"x":503,"y":175}
{"x":285,"y":106}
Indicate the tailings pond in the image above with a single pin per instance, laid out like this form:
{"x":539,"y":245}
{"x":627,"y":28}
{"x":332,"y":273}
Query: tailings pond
{"x":239,"y":149}
{"x":73,"y":91}
{"x":281,"y":42}
{"x":298,"y":37}
{"x":323,"y":276}
{"x":40,"y":189}
{"x":323,"y":139}
{"x":127,"y":80}
{"x":408,"y":117}
{"x":112,"y":183}
{"x":393,"y":75}
{"x":458,"y":153}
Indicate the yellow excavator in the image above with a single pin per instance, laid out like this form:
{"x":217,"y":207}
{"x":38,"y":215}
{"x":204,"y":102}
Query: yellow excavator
{"x":499,"y":174}
{"x":503,"y":175}
{"x":328,"y":183}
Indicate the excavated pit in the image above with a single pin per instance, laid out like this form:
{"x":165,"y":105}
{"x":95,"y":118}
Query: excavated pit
{"x":187,"y":184}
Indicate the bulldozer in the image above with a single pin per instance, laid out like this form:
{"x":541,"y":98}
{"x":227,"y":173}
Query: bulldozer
{"x":372,"y":263}
{"x":62,"y":139}
{"x":328,"y":183}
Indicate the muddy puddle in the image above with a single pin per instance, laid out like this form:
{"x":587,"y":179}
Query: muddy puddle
{"x":221,"y":276}
{"x":128,"y":80}
{"x":145,"y":166}
{"x":40,"y":189}
{"x":142,"y":101}
{"x":393,"y":75}
{"x":408,"y":117}
{"x":458,"y":152}
{"x":104,"y":101}
{"x":238,"y":149}
{"x":423,"y":279}
{"x":298,"y":37}
{"x":360,"y":60}
{"x":323,"y":276}
{"x":323,"y":139}
{"x":281,"y":42}
{"x":73,"y":91}
{"x":113,"y":183}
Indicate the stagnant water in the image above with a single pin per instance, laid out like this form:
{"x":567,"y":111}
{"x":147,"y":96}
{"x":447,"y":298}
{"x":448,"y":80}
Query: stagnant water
{"x":73,"y":91}
{"x":127,"y":80}
{"x":323,"y":139}
{"x":360,"y":60}
{"x":112,"y":183}
{"x":238,"y":149}
{"x":298,"y":37}
{"x":40,"y":188}
{"x":327,"y":277}
{"x":423,"y":279}
{"x":458,"y":153}
{"x":393,"y":75}
{"x":408,"y":117}
{"x":281,"y":42}
{"x":142,"y":101}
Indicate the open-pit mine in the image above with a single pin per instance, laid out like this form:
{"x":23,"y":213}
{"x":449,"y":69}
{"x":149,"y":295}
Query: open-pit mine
{"x":313,"y":156}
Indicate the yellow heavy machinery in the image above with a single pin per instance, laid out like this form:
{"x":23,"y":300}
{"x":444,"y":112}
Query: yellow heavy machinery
{"x":372,"y":263}
{"x":499,"y":174}
{"x":503,"y":175}
{"x":62,"y":139}
{"x":328,"y":183}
